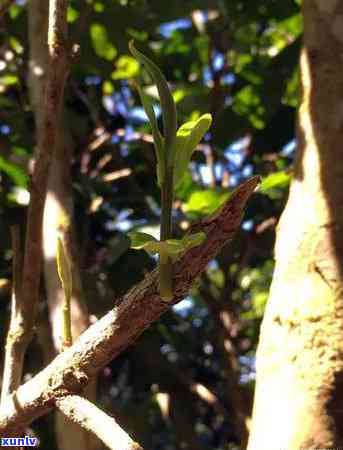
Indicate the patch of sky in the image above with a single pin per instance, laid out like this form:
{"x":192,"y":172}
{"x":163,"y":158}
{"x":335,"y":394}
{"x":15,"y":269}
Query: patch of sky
{"x":228,"y":78}
{"x":233,"y":180}
{"x":166,"y":348}
{"x":109,"y":104}
{"x":248,"y":368}
{"x":129,"y":133}
{"x":207,"y":76}
{"x":228,"y":100}
{"x":92,"y":80}
{"x":205,"y":173}
{"x":205,"y":15}
{"x":126,"y":91}
{"x":207,"y":137}
{"x":247,"y":225}
{"x":218,"y":171}
{"x":166,"y":29}
{"x":213,"y":265}
{"x":5,"y":129}
{"x":247,"y":171}
{"x":247,"y":377}
{"x":138,"y":114}
{"x":235,"y":151}
{"x":235,"y":158}
{"x":218,"y":61}
{"x":123,"y":225}
{"x":289,"y":149}
{"x":202,"y":312}
{"x":240,"y":144}
{"x":121,"y":222}
{"x":121,"y":104}
{"x":197,"y":322}
{"x":184,"y":307}
{"x":116,"y":104}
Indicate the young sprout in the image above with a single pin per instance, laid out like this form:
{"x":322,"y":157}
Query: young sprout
{"x":174,"y":150}
{"x":64,"y":269}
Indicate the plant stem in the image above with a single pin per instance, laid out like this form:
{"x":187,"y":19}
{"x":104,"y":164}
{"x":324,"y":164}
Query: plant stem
{"x":66,"y":336}
{"x":165,"y":263}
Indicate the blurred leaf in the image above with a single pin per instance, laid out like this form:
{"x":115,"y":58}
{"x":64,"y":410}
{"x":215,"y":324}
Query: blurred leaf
{"x":187,"y":138}
{"x":158,"y":139}
{"x":73,"y":14}
{"x":16,"y":45}
{"x":126,"y":67}
{"x":144,"y":241}
{"x":107,"y":87}
{"x":101,"y":43}
{"x":275,"y":180}
{"x":205,"y":202}
{"x":171,"y":247}
{"x":14,"y":11}
{"x":167,"y":103}
{"x":14,"y":172}
{"x":99,"y":7}
{"x":9,"y":80}
{"x":291,"y":95}
{"x":248,"y":103}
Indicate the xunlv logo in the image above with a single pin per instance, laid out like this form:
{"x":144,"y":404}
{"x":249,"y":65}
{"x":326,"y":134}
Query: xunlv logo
{"x":16,"y":442}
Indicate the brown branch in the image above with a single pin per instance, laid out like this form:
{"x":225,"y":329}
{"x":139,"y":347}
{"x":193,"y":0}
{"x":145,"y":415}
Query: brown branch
{"x":92,"y":419}
{"x":140,"y":307}
{"x":54,"y":88}
{"x":14,"y":346}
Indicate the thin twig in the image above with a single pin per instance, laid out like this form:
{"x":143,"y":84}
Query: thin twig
{"x":121,"y":326}
{"x":14,"y":343}
{"x":54,"y":89}
{"x":91,"y":418}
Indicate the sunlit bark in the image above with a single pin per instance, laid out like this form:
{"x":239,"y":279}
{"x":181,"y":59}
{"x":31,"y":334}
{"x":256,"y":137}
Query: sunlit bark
{"x":299,"y":396}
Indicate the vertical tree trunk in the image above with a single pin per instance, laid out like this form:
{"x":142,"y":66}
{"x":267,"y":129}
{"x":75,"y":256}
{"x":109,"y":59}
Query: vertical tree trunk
{"x":59,"y":203}
{"x":299,"y":391}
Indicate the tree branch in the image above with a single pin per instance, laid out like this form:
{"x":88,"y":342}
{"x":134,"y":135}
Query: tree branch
{"x":14,"y":349}
{"x":56,"y":77}
{"x":91,"y":418}
{"x":120,"y":327}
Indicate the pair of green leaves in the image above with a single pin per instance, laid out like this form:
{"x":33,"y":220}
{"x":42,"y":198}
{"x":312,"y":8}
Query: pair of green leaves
{"x":170,"y":248}
{"x":175,"y":148}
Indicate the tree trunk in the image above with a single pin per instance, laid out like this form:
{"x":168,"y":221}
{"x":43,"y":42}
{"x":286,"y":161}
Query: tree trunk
{"x":58,"y":203}
{"x":299,"y":391}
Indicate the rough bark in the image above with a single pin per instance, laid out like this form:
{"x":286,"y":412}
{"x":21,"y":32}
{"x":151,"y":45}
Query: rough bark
{"x":58,"y":204}
{"x":93,"y":420}
{"x":23,"y":317}
{"x":14,"y":353}
{"x":142,"y":305}
{"x":299,"y":391}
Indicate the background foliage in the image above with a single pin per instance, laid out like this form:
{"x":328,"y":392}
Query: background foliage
{"x":234,"y":58}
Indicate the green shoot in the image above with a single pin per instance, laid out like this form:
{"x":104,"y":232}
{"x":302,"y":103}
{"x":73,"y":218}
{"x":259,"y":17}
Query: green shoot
{"x":65,"y":273}
{"x":173,"y":153}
